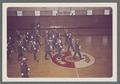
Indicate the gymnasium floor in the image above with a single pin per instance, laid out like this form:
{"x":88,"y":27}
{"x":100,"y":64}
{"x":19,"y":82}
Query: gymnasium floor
{"x":98,"y":46}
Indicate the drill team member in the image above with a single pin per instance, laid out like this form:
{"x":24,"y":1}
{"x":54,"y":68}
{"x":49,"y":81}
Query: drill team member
{"x":24,"y":68}
{"x":59,"y":49}
{"x":48,"y":48}
{"x":66,"y":37}
{"x":77,"y":49}
{"x":70,"y":42}
{"x":20,"y":50}
{"x":34,"y":49}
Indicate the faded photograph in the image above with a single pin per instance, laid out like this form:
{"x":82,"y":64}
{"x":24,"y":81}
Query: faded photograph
{"x":72,"y":42}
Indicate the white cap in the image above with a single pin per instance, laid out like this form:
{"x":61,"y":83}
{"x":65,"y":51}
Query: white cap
{"x":24,"y":58}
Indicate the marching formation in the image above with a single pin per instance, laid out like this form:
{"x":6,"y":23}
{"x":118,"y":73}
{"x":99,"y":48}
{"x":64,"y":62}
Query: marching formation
{"x":23,"y":42}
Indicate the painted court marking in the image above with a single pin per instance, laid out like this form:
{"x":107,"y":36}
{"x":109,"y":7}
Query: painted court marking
{"x":87,"y":61}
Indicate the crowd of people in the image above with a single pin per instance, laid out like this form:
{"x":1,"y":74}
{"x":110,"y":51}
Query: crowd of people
{"x":30,"y":41}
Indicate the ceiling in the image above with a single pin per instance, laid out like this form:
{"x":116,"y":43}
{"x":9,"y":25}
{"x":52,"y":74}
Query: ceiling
{"x":29,"y":11}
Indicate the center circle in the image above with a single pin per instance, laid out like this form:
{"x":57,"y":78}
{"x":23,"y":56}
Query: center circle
{"x":67,"y":60}
{"x":72,"y":59}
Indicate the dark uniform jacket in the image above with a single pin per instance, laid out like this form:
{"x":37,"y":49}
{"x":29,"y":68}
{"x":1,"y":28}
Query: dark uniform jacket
{"x":77,"y":47}
{"x":24,"y":69}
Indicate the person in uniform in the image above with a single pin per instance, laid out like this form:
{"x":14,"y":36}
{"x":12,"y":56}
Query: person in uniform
{"x":24,"y":68}
{"x":54,"y":41}
{"x":24,"y":46}
{"x":20,"y":50}
{"x":70,"y":42}
{"x":10,"y":47}
{"x":48,"y":49}
{"x":9,"y":52}
{"x":66,"y":37}
{"x":47,"y":35}
{"x":37,"y":34}
{"x":34,"y":49}
{"x":27,"y":40}
{"x":18,"y":35}
{"x":77,"y":48}
{"x":59,"y":48}
{"x":57,"y":34}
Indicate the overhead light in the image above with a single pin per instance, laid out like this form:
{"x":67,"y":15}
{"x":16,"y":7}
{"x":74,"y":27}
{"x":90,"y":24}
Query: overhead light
{"x":37,"y":13}
{"x":72,"y":12}
{"x":106,"y":12}
{"x":54,"y":12}
{"x":89,"y":12}
{"x":19,"y":13}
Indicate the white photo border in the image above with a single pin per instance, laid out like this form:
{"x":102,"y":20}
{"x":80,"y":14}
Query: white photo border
{"x":4,"y":42}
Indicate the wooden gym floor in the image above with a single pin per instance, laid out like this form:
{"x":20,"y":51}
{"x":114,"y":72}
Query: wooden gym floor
{"x":93,"y":45}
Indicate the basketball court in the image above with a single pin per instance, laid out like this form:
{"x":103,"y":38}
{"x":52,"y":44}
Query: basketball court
{"x":93,"y":29}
